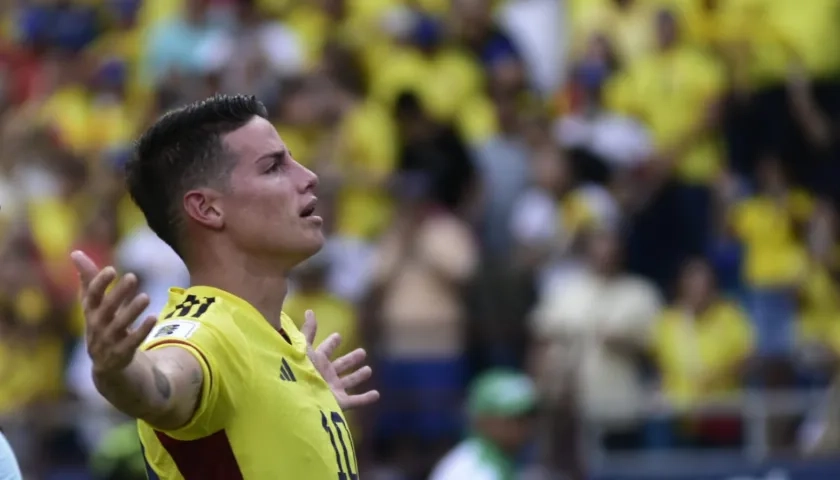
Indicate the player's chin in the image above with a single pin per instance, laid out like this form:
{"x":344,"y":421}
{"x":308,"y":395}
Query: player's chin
{"x":312,"y":240}
{"x":308,"y":237}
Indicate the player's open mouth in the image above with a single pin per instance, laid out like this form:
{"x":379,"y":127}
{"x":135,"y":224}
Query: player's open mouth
{"x":309,"y":209}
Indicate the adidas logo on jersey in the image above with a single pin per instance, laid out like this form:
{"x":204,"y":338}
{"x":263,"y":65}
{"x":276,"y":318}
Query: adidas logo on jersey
{"x":286,"y":372}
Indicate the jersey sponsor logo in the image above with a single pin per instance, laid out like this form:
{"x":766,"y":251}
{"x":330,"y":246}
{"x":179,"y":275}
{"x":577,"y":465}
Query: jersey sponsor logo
{"x":182,"y":329}
{"x":286,"y":372}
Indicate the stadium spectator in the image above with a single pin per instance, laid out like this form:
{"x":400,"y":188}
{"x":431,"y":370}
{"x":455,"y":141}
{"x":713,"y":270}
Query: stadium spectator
{"x":701,"y":345}
{"x":502,"y":162}
{"x":690,"y":81}
{"x":436,"y":152}
{"x":501,"y":406}
{"x":600,"y":140}
{"x":693,"y":365}
{"x":549,"y":219}
{"x":597,"y":323}
{"x":421,"y":265}
{"x":768,"y":224}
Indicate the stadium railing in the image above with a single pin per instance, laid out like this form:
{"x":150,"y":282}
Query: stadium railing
{"x":756,"y":410}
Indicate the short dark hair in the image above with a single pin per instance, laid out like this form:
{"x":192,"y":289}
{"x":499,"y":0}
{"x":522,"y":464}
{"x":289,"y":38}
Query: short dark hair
{"x":183,"y":150}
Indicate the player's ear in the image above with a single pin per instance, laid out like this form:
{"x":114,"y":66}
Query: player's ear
{"x":203,"y":206}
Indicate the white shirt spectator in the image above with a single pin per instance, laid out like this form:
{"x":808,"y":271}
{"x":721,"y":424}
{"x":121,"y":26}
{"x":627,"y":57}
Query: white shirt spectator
{"x":574,"y":316}
{"x":465,"y":461}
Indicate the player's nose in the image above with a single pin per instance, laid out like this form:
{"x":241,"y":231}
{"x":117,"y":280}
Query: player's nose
{"x":307,"y":180}
{"x":310,"y":180}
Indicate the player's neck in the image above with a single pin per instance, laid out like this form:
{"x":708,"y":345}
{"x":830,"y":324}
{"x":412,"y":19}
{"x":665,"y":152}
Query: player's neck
{"x":264,"y":290}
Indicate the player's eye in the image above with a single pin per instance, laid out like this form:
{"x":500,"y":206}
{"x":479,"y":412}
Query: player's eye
{"x":275,"y":166}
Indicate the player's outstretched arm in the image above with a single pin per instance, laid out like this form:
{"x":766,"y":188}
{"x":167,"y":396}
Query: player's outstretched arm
{"x":161,"y":387}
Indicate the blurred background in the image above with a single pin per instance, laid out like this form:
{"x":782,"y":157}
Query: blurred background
{"x":594,"y":238}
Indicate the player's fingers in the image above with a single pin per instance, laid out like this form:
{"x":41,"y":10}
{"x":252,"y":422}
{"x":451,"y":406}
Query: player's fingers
{"x":350,"y":361}
{"x":139,"y":334}
{"x":121,"y":292}
{"x":127,"y":314}
{"x":85,"y":266}
{"x":355,"y":401}
{"x":96,"y":288}
{"x":328,"y":346}
{"x":128,"y":295}
{"x":357,"y":378}
{"x":310,"y":327}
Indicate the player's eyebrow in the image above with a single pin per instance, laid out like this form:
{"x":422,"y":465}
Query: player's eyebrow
{"x":276,"y":155}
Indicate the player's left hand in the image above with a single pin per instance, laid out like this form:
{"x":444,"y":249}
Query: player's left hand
{"x":332,"y":370}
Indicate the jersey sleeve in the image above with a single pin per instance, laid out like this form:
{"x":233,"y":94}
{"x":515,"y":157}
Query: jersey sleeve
{"x":225,"y":369}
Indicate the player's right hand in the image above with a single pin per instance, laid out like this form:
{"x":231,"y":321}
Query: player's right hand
{"x":109,"y":315}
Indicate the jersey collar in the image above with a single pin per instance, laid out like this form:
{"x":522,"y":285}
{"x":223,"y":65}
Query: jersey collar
{"x":298,"y":340}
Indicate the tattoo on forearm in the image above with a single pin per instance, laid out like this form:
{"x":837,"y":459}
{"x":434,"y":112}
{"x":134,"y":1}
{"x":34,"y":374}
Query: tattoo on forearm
{"x":162,"y":383}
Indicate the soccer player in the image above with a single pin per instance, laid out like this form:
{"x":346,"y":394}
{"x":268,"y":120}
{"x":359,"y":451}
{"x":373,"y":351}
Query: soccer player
{"x":223,"y":385}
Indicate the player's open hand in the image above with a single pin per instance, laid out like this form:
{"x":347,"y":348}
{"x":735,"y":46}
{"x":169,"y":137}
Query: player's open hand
{"x":109,"y":314}
{"x":332,"y":370}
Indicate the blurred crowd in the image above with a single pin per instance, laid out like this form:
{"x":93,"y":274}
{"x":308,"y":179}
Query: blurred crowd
{"x":634,"y":202}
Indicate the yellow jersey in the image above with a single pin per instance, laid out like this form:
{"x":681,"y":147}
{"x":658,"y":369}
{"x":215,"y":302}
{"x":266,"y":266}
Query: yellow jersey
{"x":695,"y":355}
{"x":264,"y":413}
{"x":767,"y":228}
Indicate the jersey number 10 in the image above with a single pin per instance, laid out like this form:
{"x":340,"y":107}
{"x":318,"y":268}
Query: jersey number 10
{"x":332,"y":423}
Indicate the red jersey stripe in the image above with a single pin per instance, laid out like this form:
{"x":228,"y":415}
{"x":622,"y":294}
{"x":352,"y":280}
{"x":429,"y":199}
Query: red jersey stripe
{"x":208,"y":458}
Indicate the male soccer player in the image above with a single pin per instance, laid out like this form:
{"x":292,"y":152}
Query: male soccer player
{"x":223,"y":385}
